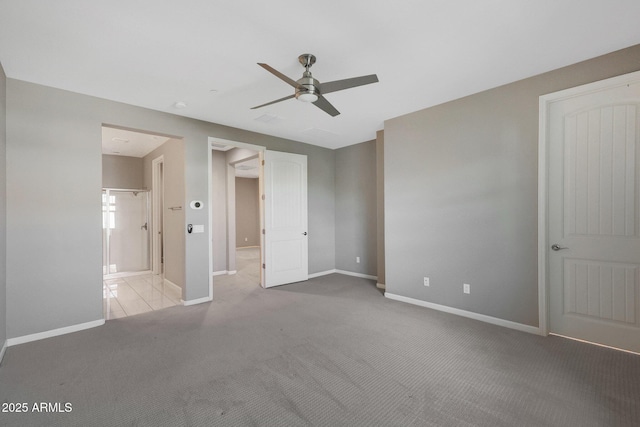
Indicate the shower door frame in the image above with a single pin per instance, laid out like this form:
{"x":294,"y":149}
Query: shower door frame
{"x":106,"y":248}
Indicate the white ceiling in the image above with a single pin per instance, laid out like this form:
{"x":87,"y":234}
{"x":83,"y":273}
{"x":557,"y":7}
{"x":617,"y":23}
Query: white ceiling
{"x":120,"y":142}
{"x":154,"y":53}
{"x":248,"y":169}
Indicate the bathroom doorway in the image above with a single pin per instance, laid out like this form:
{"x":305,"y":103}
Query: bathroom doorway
{"x":143,"y":217}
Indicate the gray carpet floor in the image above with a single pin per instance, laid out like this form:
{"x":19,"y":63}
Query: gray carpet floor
{"x":328,"y":352}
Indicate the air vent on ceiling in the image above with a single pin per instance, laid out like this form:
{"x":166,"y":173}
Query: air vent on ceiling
{"x":319,"y":133}
{"x":269,"y":118}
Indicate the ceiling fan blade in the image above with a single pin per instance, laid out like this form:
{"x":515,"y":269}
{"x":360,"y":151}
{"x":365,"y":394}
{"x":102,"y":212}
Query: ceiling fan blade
{"x":326,"y":106}
{"x":273,"y":102}
{"x":281,"y":76}
{"x":337,"y":85}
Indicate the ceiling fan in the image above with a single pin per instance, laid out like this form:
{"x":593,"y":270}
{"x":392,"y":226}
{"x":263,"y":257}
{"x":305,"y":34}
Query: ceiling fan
{"x":311,"y":90}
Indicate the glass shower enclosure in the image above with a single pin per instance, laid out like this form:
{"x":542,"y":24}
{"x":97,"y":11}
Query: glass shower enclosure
{"x":125,"y":231}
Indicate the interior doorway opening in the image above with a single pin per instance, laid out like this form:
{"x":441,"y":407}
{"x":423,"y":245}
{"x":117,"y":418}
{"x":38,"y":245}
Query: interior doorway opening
{"x":236,"y":212}
{"x":142,"y":218}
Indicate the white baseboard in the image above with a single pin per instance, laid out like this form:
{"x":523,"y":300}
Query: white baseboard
{"x":3,"y":350}
{"x":54,"y":332}
{"x":321,"y":273}
{"x":173,"y":285}
{"x":362,"y":276}
{"x":347,"y":273}
{"x":381,"y":286}
{"x":471,"y":315}
{"x":126,"y":274}
{"x":196,"y":301}
{"x":224,"y":273}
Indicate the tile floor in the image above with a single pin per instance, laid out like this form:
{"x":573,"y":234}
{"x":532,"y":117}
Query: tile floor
{"x":127,"y":296}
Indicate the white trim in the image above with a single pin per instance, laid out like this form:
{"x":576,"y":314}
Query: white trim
{"x":543,"y":315}
{"x":157,"y":193}
{"x":219,"y":273}
{"x":3,"y":350}
{"x":381,"y":286}
{"x":126,"y":274}
{"x":346,"y":273}
{"x":471,"y":315}
{"x":362,"y":276}
{"x":54,"y":332}
{"x":321,"y":273}
{"x":196,"y":301}
{"x":224,"y":273}
{"x":172,"y":285}
{"x":210,"y":212}
{"x":238,"y":144}
{"x":543,"y":184}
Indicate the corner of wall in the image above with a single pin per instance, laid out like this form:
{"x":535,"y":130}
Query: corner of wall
{"x":3,"y":213}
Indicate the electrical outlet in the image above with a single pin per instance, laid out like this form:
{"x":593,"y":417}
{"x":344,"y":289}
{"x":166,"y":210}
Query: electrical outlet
{"x":466,"y":288}
{"x":358,"y":259}
{"x":426,"y":281}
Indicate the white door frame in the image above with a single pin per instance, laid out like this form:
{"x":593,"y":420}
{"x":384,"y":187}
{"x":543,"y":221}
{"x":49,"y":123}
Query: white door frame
{"x":237,"y":144}
{"x":157,"y":198}
{"x":543,"y":182}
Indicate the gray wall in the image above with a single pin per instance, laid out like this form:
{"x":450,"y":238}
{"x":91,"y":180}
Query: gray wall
{"x":122,"y":172}
{"x":54,"y":182}
{"x":380,"y":205}
{"x":3,"y":208}
{"x":247,"y":212}
{"x":356,"y":227}
{"x":174,"y":196}
{"x":461,"y":194}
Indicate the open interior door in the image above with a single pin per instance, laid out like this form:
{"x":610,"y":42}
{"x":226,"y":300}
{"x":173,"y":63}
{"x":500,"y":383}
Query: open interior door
{"x":286,"y":244}
{"x":594,"y":220}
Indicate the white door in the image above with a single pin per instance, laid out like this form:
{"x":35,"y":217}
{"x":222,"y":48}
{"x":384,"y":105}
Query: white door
{"x":594,"y":189}
{"x":286,"y":244}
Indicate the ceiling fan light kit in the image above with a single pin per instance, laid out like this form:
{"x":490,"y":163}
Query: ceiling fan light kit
{"x":306,"y":97}
{"x":308,"y":89}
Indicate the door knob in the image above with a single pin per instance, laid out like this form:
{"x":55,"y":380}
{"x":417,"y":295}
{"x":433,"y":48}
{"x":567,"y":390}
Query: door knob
{"x":557,"y":247}
{"x":304,"y":234}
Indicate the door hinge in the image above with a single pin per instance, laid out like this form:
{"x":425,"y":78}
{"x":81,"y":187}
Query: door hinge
{"x":263,"y":231}
{"x":263,"y":163}
{"x":264,"y":266}
{"x":262,"y":197}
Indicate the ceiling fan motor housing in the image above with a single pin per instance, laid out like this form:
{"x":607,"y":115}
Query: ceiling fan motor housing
{"x":311,"y":85}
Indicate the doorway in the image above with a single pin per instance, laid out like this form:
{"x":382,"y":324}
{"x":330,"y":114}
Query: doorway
{"x":236,"y":212}
{"x":247,"y":218}
{"x":140,"y":275}
{"x":283,"y":218}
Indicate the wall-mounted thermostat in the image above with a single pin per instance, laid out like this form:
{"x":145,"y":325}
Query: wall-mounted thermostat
{"x":196,"y":204}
